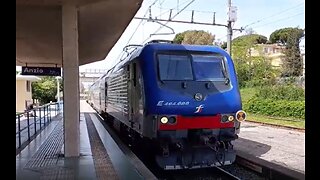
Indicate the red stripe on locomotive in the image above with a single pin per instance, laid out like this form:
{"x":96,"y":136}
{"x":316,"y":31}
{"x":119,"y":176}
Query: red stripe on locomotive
{"x":197,"y":122}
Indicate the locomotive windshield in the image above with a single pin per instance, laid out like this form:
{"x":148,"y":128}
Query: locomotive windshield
{"x":208,"y":67}
{"x":199,"y":67}
{"x":175,"y":67}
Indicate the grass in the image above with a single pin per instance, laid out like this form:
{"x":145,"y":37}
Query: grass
{"x":247,"y":93}
{"x":276,"y":121}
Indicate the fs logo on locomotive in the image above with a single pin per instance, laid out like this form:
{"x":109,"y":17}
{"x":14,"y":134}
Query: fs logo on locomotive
{"x":199,"y":109}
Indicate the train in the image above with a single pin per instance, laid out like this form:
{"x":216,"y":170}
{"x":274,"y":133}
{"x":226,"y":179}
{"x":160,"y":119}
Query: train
{"x":184,"y":99}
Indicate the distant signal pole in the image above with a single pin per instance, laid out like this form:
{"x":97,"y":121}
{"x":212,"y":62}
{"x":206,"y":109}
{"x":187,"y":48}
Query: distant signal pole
{"x":232,"y":17}
{"x":229,"y":35}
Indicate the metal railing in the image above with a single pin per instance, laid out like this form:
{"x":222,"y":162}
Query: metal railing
{"x":31,"y":122}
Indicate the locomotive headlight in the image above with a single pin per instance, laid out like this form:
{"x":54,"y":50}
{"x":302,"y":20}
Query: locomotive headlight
{"x":172,"y":120}
{"x":230,"y":118}
{"x":241,"y":116}
{"x":164,"y":120}
{"x":224,"y":118}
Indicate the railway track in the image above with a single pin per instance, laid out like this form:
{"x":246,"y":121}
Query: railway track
{"x":232,"y":172}
{"x":228,"y":174}
{"x":199,"y":174}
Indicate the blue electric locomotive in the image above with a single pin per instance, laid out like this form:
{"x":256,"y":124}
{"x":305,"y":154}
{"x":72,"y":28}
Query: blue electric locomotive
{"x":184,"y":98}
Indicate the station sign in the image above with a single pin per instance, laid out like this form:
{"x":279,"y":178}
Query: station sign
{"x":41,"y":71}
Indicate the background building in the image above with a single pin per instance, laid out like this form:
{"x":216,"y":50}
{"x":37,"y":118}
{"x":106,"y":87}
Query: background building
{"x":272,"y":51}
{"x":24,"y":91}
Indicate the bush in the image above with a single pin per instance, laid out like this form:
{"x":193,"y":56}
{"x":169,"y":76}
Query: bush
{"x":281,"y":108}
{"x":298,"y":81}
{"x":289,"y":92}
{"x":282,"y":101}
{"x":258,"y":82}
{"x":255,"y":71}
{"x":45,"y":89}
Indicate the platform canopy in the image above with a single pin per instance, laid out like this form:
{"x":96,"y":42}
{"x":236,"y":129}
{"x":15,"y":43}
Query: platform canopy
{"x":39,"y":29}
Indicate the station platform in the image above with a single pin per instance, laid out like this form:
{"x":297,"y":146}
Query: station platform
{"x":101,"y":157}
{"x":283,"y":147}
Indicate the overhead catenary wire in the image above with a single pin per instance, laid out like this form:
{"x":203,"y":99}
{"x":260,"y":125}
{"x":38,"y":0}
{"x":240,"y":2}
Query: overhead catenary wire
{"x":177,"y":13}
{"x":200,"y":11}
{"x":168,"y":9}
{"x":281,"y":12}
{"x":171,"y":18}
{"x":286,"y":18}
{"x":275,"y":21}
{"x":148,"y":10}
{"x":267,"y":18}
{"x":121,"y":53}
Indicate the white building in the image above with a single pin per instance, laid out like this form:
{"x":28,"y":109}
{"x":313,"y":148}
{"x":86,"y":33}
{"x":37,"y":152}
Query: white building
{"x":24,"y":91}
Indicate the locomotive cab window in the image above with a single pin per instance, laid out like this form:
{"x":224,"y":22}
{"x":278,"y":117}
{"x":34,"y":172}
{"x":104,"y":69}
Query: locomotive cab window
{"x":175,"y":67}
{"x":209,"y":68}
{"x":199,"y":67}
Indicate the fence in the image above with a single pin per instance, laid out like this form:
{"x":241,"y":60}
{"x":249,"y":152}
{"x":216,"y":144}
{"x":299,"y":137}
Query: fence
{"x":31,"y":122}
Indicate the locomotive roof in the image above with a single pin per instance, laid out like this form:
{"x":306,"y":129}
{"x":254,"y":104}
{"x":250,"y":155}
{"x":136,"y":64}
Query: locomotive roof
{"x":163,"y":46}
{"x":170,"y":46}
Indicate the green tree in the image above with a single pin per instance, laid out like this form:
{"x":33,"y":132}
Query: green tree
{"x":61,"y":84}
{"x":45,"y":89}
{"x":282,"y":35}
{"x":250,"y":39}
{"x":179,"y":37}
{"x":290,"y":37}
{"x":194,"y":37}
{"x":252,"y":70}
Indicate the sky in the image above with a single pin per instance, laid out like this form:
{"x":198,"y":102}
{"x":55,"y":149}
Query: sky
{"x":262,"y":16}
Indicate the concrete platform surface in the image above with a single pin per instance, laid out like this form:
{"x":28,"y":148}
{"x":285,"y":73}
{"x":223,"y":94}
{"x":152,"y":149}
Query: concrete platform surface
{"x":101,"y":157}
{"x":277,"y":145}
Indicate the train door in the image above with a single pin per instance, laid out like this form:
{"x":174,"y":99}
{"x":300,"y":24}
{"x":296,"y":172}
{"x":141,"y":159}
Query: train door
{"x":105,"y":95}
{"x":135,"y":95}
{"x":102,"y":96}
{"x":99,"y":100}
{"x":130,"y":92}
